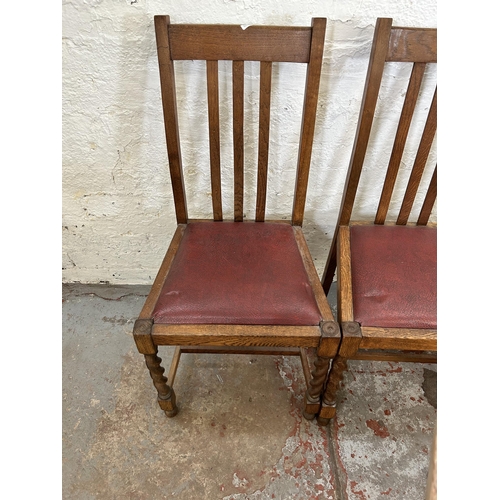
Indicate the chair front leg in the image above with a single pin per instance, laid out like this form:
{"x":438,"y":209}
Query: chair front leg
{"x":146,"y":346}
{"x":166,"y":394}
{"x":329,"y":405}
{"x":316,"y":384}
{"x":351,"y":338}
{"x":328,"y":346}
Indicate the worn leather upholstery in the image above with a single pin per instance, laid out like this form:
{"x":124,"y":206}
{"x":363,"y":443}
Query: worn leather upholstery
{"x":237,"y":273}
{"x":394,"y":276}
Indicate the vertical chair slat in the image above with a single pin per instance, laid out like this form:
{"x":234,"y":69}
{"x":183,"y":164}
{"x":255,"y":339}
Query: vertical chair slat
{"x":372,"y":86}
{"x":214,"y":136}
{"x":429,"y":200}
{"x":167,"y":84}
{"x":263,"y":155}
{"x":238,"y":143}
{"x":419,"y":164}
{"x":400,"y":140}
{"x":308,"y":119}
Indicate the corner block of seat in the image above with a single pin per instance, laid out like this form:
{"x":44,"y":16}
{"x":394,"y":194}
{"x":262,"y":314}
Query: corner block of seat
{"x":142,"y":336}
{"x":330,"y":339}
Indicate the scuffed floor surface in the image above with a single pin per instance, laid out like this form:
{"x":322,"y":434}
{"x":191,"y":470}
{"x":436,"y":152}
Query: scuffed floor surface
{"x":239,"y":433}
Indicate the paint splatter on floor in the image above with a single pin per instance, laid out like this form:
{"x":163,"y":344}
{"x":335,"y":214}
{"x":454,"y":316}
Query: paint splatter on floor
{"x":304,"y":469}
{"x":383,"y":431}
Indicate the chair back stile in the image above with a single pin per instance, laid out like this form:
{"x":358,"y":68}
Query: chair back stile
{"x":392,"y":44}
{"x":265,"y":44}
{"x":167,"y":85}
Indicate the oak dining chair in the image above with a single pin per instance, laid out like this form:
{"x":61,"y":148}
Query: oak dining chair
{"x":386,"y":268}
{"x":230,"y":285}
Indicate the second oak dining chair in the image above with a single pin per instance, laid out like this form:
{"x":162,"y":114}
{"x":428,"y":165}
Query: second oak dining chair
{"x":387,"y":269}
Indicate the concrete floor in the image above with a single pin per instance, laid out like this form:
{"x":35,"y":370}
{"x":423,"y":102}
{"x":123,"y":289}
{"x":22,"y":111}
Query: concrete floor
{"x":239,"y":433}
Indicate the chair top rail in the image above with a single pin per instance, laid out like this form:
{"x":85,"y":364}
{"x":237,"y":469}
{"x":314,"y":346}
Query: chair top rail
{"x":240,"y":43}
{"x":412,"y":45}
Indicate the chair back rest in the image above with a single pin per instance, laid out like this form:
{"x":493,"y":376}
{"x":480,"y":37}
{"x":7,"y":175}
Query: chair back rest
{"x":392,"y":44}
{"x":266,"y":44}
{"x":417,"y":46}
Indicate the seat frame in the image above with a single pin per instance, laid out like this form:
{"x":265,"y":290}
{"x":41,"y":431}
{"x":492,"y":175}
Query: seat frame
{"x":390,"y":44}
{"x":256,"y":43}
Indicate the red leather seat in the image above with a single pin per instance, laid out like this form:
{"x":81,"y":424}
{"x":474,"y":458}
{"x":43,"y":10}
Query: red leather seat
{"x":237,"y":273}
{"x":394,"y":272}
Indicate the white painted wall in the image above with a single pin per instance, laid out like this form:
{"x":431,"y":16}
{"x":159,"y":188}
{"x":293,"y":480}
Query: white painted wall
{"x":118,"y":212}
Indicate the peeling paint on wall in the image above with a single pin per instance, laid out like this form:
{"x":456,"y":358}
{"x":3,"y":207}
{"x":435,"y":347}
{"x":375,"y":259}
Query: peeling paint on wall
{"x":118,"y":208}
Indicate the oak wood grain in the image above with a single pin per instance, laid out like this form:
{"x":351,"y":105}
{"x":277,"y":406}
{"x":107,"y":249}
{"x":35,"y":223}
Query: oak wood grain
{"x":351,"y":339}
{"x":168,"y":96}
{"x":308,"y":119}
{"x":237,"y":335}
{"x":315,"y":387}
{"x":304,"y":360}
{"x":413,"y":45}
{"x":430,"y":198}
{"x":214,"y":136}
{"x":250,"y":350}
{"x":238,"y":141}
{"x":330,"y":339}
{"x":263,"y":152}
{"x":166,"y":395}
{"x":344,"y":279}
{"x":232,"y":42}
{"x":142,"y":336}
{"x":174,"y":364}
{"x":410,"y":339}
{"x":269,"y":221}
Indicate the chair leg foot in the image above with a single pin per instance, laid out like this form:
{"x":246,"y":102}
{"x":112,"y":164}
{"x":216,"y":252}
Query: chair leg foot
{"x":326,"y":413}
{"x":328,"y":408}
{"x":169,"y":404}
{"x":172,"y":413}
{"x":323,"y":421}
{"x":308,"y":416}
